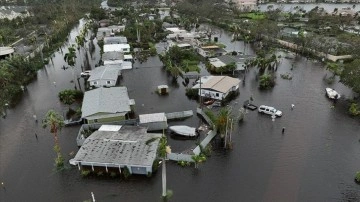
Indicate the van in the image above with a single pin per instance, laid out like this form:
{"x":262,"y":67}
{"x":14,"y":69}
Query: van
{"x":269,"y":110}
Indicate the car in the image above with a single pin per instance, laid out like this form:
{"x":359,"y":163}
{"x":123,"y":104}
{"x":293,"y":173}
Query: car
{"x":85,"y":73}
{"x":269,"y":110}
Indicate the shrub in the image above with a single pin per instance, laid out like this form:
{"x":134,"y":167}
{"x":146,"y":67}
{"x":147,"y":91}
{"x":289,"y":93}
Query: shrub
{"x":357,"y":177}
{"x":113,"y":174}
{"x":100,"y":173}
{"x":85,"y":173}
{"x":354,"y":109}
{"x":267,"y":81}
{"x":126,"y":172}
{"x":192,"y":93}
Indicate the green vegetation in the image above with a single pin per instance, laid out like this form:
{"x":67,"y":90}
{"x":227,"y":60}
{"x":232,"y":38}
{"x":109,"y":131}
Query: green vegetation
{"x":357,"y":177}
{"x":253,"y":15}
{"x":177,"y":60}
{"x":267,"y":81}
{"x":351,"y":74}
{"x":55,"y":122}
{"x":69,"y":96}
{"x":85,"y":173}
{"x":354,"y":109}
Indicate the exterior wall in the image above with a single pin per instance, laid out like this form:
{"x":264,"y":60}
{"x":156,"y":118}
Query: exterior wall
{"x":101,"y":83}
{"x":212,"y":94}
{"x":140,"y":170}
{"x":105,"y":120}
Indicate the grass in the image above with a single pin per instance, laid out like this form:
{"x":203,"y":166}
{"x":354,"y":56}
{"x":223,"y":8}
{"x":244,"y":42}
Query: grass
{"x":253,"y":16}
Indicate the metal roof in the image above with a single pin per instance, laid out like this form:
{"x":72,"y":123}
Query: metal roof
{"x":115,"y":47}
{"x":115,"y":40}
{"x":105,"y":100}
{"x":221,"y":84}
{"x":149,"y":118}
{"x":6,"y":50}
{"x":110,"y":72}
{"x":130,"y":146}
{"x":112,"y":55}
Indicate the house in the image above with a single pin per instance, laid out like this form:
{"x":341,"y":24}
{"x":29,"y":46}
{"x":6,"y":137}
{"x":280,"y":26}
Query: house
{"x":103,"y":105}
{"x":108,"y":31}
{"x":115,"y":40}
{"x":112,"y":58}
{"x":211,"y":51}
{"x":124,"y":48}
{"x":114,"y":148}
{"x":224,"y":60}
{"x":116,"y":48}
{"x":245,"y":5}
{"x":217,"y":87}
{"x":104,"y":76}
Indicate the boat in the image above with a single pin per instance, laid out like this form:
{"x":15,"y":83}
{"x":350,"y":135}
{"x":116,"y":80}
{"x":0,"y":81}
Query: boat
{"x":184,"y":130}
{"x":332,"y":94}
{"x":248,"y":105}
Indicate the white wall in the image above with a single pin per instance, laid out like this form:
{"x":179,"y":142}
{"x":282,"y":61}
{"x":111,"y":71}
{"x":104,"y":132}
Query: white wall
{"x":100,"y":83}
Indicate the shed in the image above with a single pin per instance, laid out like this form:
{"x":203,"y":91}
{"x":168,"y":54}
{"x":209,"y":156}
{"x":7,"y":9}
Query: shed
{"x":163,"y":89}
{"x":153,"y":122}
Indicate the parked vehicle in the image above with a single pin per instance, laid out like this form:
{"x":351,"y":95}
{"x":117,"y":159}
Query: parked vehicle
{"x":269,"y":110}
{"x":85,"y":73}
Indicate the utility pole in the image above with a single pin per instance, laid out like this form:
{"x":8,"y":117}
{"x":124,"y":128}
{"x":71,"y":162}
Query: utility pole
{"x":200,"y":92}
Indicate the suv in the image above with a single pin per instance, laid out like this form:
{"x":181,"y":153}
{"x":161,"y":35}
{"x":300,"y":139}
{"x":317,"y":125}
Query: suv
{"x":269,"y":110}
{"x":85,"y":73}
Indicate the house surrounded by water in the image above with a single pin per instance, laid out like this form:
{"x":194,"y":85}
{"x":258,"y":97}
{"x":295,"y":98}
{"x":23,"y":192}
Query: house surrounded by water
{"x":217,"y":87}
{"x":104,"y":105}
{"x":115,"y":148}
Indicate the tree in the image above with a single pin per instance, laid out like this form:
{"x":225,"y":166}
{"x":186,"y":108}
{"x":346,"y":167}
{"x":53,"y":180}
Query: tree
{"x":55,"y":122}
{"x":70,"y":58}
{"x":351,"y":74}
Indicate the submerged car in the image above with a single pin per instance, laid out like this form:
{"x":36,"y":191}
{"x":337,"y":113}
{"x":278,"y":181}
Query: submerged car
{"x":269,"y":110}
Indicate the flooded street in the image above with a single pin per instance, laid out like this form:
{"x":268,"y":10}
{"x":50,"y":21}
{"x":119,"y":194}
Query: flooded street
{"x":314,"y":160}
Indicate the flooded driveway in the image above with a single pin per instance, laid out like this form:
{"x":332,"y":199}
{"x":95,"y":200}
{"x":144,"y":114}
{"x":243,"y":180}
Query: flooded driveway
{"x":314,"y":160}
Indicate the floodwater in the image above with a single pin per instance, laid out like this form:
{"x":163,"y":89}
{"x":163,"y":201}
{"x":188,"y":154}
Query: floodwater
{"x":314,"y":160}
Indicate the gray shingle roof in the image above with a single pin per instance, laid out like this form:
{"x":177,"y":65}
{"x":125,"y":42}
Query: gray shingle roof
{"x":105,"y":100}
{"x":115,"y":40}
{"x":128,"y":146}
{"x":112,"y":55}
{"x":104,"y":72}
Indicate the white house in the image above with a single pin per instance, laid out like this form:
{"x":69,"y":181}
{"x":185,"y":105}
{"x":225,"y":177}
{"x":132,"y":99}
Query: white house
{"x":217,"y":87}
{"x":104,"y":76}
{"x":211,"y":51}
{"x":115,"y":40}
{"x":125,"y":48}
{"x":245,"y":5}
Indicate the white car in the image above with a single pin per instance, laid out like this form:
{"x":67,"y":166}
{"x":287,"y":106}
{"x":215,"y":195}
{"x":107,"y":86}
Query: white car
{"x":269,"y":110}
{"x":85,"y":73}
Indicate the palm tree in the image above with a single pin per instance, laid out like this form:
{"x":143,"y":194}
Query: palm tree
{"x":55,"y":122}
{"x":164,"y":149}
{"x":70,"y":59}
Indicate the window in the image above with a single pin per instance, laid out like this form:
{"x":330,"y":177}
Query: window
{"x":108,"y":82}
{"x":217,"y":94}
{"x":95,"y":120}
{"x":95,"y":83}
